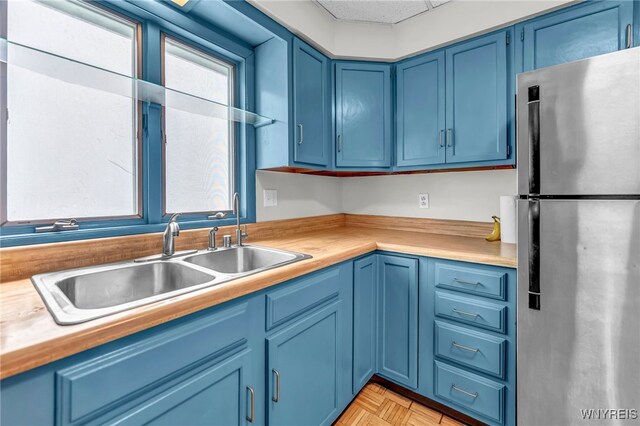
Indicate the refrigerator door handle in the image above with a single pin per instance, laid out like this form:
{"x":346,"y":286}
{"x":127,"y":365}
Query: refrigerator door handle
{"x":534,"y":254}
{"x":533,"y":130}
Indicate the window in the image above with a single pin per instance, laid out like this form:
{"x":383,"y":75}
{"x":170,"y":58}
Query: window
{"x":71,"y":151}
{"x":199,"y":169}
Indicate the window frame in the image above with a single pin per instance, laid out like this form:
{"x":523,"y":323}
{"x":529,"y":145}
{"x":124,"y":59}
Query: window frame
{"x":23,"y":226}
{"x":156,"y":18}
{"x":233,"y":131}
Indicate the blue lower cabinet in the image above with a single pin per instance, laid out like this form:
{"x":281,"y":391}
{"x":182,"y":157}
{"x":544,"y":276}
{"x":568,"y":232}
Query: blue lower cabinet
{"x":304,"y":370}
{"x":365,"y":286}
{"x":297,"y":354}
{"x":473,"y":392}
{"x":220,"y":394}
{"x":468,"y":338}
{"x":398,"y":319}
{"x":154,"y":376}
{"x":478,"y":351}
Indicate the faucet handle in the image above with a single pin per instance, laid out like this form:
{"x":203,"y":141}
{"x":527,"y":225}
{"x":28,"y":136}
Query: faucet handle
{"x":245,"y":234}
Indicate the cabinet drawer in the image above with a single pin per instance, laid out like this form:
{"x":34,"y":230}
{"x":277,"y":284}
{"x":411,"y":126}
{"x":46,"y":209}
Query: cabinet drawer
{"x":470,"y":311}
{"x":470,"y":391}
{"x":90,"y":389}
{"x":302,"y":295}
{"x":483,"y":281}
{"x":477,"y":350}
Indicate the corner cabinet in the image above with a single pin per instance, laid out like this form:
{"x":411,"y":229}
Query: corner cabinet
{"x":310,"y":106}
{"x":586,"y":30}
{"x":454,"y":106}
{"x":365,"y":314}
{"x":398,"y":319}
{"x":363,"y":115}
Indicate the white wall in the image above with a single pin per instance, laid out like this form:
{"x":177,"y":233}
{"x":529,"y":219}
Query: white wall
{"x":452,"y":195}
{"x":298,"y":195}
{"x":358,"y":40}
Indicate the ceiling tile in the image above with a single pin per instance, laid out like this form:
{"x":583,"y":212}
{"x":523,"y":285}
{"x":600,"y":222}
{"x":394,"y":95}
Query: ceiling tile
{"x":379,"y":11}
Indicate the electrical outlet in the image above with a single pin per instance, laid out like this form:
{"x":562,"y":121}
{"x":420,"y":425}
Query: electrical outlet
{"x":423,"y":201}
{"x":270,"y":197}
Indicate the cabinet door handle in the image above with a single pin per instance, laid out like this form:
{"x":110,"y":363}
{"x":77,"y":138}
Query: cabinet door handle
{"x":472,"y":395}
{"x":463,"y":347}
{"x":276,"y":398}
{"x":469,"y":314}
{"x":449,"y":138}
{"x":457,"y":280}
{"x":629,"y":36}
{"x":339,"y":143}
{"x":252,"y":409}
{"x":301,"y":140}
{"x":441,"y":138}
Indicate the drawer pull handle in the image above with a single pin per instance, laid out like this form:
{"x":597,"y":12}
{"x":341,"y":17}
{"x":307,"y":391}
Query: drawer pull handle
{"x":276,"y":398}
{"x":469,"y":314}
{"x":466,"y":348}
{"x":458,"y":280}
{"x":472,"y":395}
{"x":252,"y":414}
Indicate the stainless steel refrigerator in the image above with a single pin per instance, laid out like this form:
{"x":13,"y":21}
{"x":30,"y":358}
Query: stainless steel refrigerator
{"x":579,"y":242}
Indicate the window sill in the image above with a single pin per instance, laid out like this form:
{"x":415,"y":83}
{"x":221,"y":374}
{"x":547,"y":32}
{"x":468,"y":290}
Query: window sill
{"x":8,"y":240}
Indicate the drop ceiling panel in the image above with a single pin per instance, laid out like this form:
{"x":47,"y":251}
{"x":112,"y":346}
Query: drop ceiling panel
{"x":378,"y":11}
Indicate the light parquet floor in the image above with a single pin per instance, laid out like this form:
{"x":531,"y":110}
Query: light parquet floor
{"x":378,"y":406}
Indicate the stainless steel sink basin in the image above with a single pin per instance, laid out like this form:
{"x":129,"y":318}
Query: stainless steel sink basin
{"x":244,"y":260}
{"x":123,"y":285}
{"x":79,"y":295}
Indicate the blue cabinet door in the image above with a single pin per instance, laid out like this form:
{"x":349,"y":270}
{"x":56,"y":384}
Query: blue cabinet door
{"x":420,"y":111}
{"x":304,"y":368}
{"x":363,"y":115}
{"x":221,"y":394}
{"x":583,"y":31}
{"x":477,"y":98}
{"x":310,"y":99}
{"x":398,"y":319}
{"x":365,"y":284}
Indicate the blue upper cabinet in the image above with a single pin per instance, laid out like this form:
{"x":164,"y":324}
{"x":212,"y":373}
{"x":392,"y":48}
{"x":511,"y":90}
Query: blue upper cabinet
{"x":363,"y":115}
{"x":477,"y":80}
{"x":420,"y":111}
{"x":311,"y":101}
{"x":580,"y":32}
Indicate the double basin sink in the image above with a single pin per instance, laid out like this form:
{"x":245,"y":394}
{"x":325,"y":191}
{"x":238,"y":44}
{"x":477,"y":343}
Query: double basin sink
{"x":79,"y":295}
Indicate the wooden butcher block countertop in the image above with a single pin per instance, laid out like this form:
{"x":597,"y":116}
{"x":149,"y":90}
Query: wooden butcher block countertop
{"x":31,"y":338}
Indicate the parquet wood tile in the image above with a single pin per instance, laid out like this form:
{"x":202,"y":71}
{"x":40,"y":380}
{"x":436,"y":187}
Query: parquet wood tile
{"x":377,"y":406}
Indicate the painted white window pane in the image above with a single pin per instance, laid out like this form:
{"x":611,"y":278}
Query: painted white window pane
{"x":198,"y":149}
{"x":71,"y":150}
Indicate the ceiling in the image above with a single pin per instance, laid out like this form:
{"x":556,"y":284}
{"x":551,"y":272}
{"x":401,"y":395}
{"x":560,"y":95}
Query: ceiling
{"x":377,"y":11}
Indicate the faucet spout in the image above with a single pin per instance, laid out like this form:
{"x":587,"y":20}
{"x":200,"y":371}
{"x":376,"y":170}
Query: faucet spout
{"x":236,"y":210}
{"x":168,"y":236}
